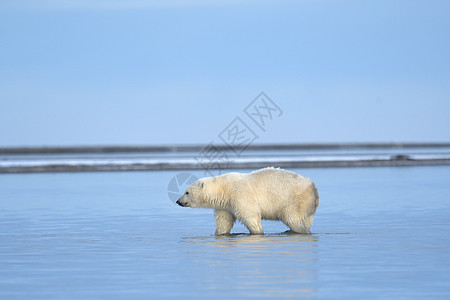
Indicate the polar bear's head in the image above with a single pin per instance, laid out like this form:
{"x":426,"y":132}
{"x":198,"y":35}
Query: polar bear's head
{"x":208,"y":192}
{"x":193,"y":195}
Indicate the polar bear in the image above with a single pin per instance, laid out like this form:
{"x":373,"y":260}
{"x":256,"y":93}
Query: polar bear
{"x":269,"y":194}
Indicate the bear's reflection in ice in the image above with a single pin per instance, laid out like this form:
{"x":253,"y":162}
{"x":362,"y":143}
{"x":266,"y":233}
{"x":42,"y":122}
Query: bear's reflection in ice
{"x":271,"y":265}
{"x":242,"y":239}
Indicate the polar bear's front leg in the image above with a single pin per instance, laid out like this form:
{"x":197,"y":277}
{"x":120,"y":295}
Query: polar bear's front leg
{"x":224,"y":221}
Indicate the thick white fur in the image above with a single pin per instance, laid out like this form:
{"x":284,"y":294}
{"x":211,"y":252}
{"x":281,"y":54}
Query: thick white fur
{"x":269,"y":194}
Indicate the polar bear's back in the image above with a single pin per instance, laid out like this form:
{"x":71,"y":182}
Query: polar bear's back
{"x":270,"y":177}
{"x":275,"y":190}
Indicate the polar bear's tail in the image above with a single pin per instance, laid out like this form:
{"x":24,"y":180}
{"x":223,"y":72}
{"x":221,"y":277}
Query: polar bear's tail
{"x":316,"y":196}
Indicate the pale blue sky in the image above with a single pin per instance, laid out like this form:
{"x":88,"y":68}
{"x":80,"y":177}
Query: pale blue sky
{"x":156,"y":72}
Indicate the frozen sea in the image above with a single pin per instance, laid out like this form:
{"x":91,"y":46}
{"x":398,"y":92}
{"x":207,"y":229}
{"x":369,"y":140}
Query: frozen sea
{"x":379,"y":233}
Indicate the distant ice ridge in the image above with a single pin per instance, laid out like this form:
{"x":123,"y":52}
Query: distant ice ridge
{"x":171,"y":163}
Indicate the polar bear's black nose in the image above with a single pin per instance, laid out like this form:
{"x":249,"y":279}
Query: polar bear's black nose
{"x":179,"y":202}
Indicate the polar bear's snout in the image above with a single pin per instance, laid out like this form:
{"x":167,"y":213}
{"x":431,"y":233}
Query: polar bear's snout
{"x":182,"y":203}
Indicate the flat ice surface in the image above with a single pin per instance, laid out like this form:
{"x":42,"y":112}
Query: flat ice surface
{"x":379,"y":233}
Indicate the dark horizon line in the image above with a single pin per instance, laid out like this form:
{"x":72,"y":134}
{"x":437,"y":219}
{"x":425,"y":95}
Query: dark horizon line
{"x":198,"y":147}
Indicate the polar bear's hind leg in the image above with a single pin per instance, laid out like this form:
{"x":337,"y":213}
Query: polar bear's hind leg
{"x":297,"y":225}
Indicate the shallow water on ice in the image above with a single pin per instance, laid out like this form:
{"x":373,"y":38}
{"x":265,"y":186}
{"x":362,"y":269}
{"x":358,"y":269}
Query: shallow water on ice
{"x":378,"y":233}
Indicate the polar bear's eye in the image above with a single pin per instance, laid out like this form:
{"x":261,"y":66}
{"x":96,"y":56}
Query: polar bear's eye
{"x":187,"y":193}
